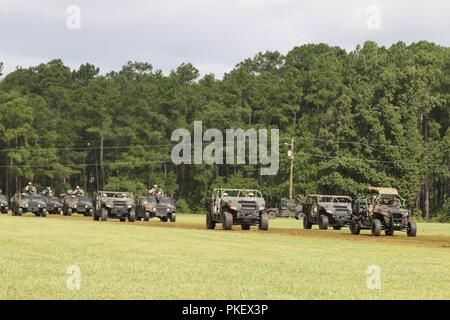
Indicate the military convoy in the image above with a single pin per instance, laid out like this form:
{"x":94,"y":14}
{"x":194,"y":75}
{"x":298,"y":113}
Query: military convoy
{"x":244,"y":207}
{"x":285,"y":208}
{"x":159,"y":206}
{"x":382,"y":209}
{"x":114,"y":204}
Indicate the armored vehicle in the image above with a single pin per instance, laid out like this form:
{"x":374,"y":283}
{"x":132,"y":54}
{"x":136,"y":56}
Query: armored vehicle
{"x":244,"y":207}
{"x":3,"y":204}
{"x":161,"y":207}
{"x":77,"y":204}
{"x":54,"y":205}
{"x":284,"y":208}
{"x":382,"y":209}
{"x":327,"y":210}
{"x":114,"y":204}
{"x":28,"y":202}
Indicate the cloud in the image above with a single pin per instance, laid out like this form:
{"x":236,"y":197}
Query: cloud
{"x":214,"y":35}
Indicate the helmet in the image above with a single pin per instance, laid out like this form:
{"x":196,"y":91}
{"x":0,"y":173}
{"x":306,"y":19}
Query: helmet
{"x":29,"y":183}
{"x":77,"y":187}
{"x":155,"y":186}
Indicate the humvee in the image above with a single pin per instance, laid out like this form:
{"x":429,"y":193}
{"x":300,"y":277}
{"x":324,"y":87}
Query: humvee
{"x":244,"y":207}
{"x":327,"y":210}
{"x":77,"y":204}
{"x":3,"y":204}
{"x":285,"y":208}
{"x":114,"y":204}
{"x":161,"y":207}
{"x":54,"y":205}
{"x":22,"y":203}
{"x":382,"y":209}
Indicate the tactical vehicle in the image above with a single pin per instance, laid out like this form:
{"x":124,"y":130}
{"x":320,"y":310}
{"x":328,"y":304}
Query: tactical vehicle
{"x":327,"y":210}
{"x":3,"y":204}
{"x":244,"y":207}
{"x":22,"y":203}
{"x":284,"y":208}
{"x":161,"y":207}
{"x":77,"y":204}
{"x":382,"y":209}
{"x":54,"y":205}
{"x":114,"y":204}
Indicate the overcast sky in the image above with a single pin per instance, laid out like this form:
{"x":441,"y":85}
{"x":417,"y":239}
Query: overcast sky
{"x":214,"y":35}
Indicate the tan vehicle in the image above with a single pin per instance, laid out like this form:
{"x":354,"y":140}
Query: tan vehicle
{"x":382,"y":209}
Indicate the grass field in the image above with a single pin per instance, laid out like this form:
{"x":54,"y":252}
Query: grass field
{"x":155,"y":260}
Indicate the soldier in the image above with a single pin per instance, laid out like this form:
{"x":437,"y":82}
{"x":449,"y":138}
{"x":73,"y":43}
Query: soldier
{"x":155,"y":191}
{"x":48,"y":192}
{"x":30,"y":188}
{"x":78,"y":191}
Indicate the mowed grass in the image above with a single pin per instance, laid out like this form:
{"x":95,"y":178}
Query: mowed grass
{"x":155,"y":260}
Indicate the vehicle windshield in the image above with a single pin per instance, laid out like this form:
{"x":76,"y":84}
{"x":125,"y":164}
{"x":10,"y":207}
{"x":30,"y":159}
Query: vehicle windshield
{"x":240,"y":193}
{"x":334,"y":199}
{"x":119,"y":195}
{"x":165,"y":200}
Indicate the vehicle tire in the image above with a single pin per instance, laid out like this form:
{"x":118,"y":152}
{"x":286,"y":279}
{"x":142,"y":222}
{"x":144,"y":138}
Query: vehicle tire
{"x":354,"y":227}
{"x":227,"y":223}
{"x":323,"y":222}
{"x":336,"y":228}
{"x":272,"y":214}
{"x":264,"y":222}
{"x":376,"y":227}
{"x":389,"y":232}
{"x":245,"y":226}
{"x":299,"y":216}
{"x":122,"y":219}
{"x":69,"y":211}
{"x":306,"y":223}
{"x":104,"y":212}
{"x":43,"y":213}
{"x":60,"y":212}
{"x":210,"y":223}
{"x":146,"y":216}
{"x":132,"y":216}
{"x":19,"y":212}
{"x":412,"y":229}
{"x":95,"y":217}
{"x":173,"y":217}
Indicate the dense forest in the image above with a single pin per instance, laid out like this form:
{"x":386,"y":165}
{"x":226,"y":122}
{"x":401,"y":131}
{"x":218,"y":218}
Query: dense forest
{"x":374,"y":116}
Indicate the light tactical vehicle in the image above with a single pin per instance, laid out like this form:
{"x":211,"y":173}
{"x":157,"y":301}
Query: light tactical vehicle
{"x":285,"y":208}
{"x":327,"y":210}
{"x":54,"y":205}
{"x":382,"y":209}
{"x":77,"y":204}
{"x":22,"y":203}
{"x":114,"y":204}
{"x":161,"y":207}
{"x":244,"y":207}
{"x":3,"y":204}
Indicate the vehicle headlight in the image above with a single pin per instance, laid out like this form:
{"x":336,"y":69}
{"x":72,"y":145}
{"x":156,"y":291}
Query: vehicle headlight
{"x":130,"y":207}
{"x":329,"y":211}
{"x":74,"y":206}
{"x":262,"y":207}
{"x":86,"y":206}
{"x":168,"y":209}
{"x":39,"y":205}
{"x":153,"y":209}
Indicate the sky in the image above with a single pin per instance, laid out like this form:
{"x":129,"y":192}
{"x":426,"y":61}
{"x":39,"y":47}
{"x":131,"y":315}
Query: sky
{"x":213,"y":35}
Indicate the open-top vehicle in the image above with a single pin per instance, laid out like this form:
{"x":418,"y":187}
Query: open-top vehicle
{"x":326,"y":211}
{"x":54,"y":205}
{"x":22,"y":203}
{"x":114,"y":204}
{"x":284,"y":208}
{"x":161,"y":207}
{"x":382,"y":209}
{"x":3,"y":204}
{"x":244,"y":207}
{"x":77,"y":204}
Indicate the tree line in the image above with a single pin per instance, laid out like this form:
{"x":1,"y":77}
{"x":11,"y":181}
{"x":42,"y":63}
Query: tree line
{"x":374,"y":116}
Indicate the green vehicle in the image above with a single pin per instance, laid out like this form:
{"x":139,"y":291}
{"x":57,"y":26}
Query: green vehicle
{"x":54,"y":205}
{"x":382,"y":209}
{"x":115,"y":205}
{"x":326,"y":211}
{"x":3,"y":204}
{"x":161,"y":207}
{"x":77,"y":204}
{"x":285,"y":208}
{"x":22,"y":203}
{"x":244,"y":207}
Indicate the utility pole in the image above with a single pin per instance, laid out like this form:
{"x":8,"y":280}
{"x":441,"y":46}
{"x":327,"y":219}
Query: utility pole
{"x":291,"y":158}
